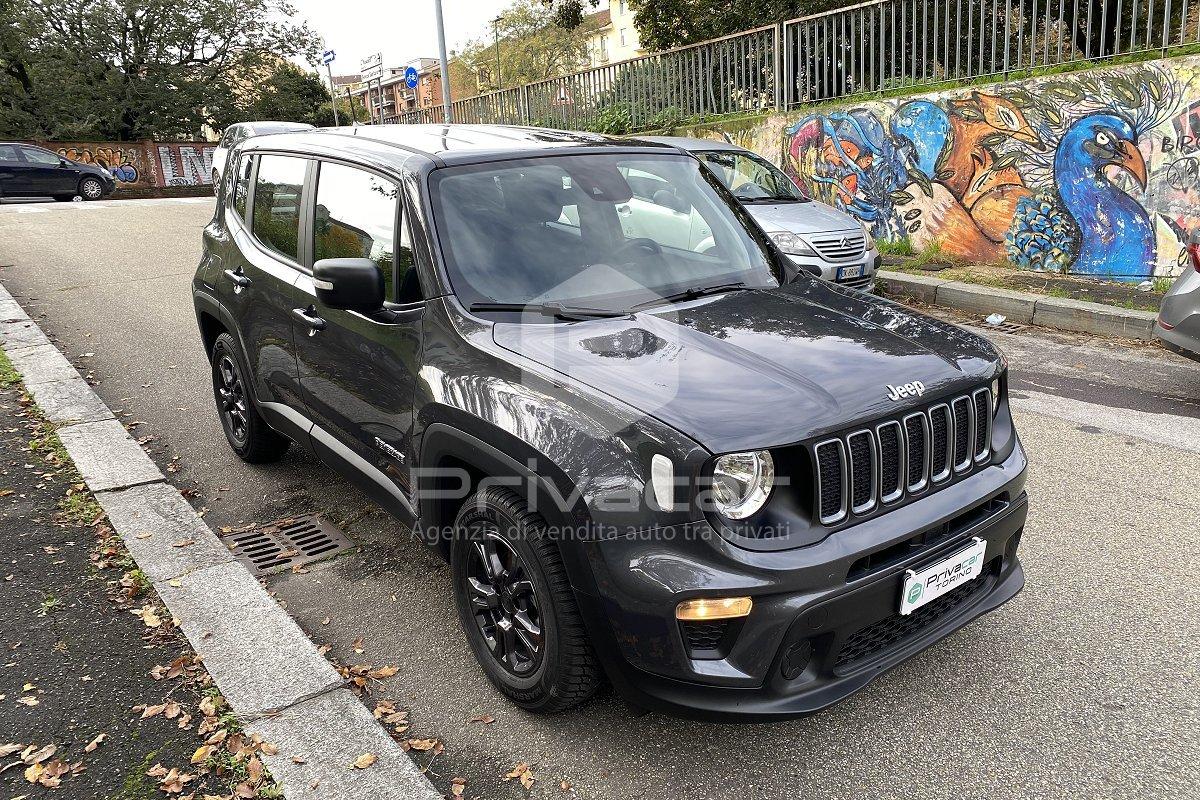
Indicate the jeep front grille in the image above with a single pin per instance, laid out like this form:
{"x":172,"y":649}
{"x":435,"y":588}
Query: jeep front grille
{"x":839,"y":247}
{"x":862,"y":468}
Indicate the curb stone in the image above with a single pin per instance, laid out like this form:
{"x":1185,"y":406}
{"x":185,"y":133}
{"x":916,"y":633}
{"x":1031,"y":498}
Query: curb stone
{"x":270,"y":672}
{"x":1079,"y":316}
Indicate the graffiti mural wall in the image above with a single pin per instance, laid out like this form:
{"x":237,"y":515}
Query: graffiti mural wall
{"x":146,"y":164}
{"x":1094,"y":173}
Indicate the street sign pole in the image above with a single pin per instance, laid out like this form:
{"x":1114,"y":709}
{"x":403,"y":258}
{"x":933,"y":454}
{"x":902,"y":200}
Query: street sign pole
{"x":441,"y":34}
{"x":333,"y":99}
{"x":327,"y":58}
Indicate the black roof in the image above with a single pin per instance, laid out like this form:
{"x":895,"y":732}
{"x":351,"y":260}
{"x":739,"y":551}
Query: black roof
{"x":447,"y":144}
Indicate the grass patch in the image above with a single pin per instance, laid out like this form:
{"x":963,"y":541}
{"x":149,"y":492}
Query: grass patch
{"x":50,"y":602}
{"x":8,"y":375}
{"x":901,"y":247}
{"x":78,"y":507}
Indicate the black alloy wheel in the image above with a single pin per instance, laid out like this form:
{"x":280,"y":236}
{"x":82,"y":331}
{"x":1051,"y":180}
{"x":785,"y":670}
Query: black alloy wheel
{"x":516,"y":604}
{"x":247,"y":433}
{"x":231,"y":399}
{"x":504,"y":602}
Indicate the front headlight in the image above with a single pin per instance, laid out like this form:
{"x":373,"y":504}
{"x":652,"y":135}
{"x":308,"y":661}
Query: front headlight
{"x":742,"y":483}
{"x":791,"y":244}
{"x":870,"y":240}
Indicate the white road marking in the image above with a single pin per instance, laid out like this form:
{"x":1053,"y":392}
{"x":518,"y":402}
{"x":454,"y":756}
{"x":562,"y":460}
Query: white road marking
{"x":1182,"y":433}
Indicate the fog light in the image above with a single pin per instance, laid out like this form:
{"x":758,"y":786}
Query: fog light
{"x":717,"y":608}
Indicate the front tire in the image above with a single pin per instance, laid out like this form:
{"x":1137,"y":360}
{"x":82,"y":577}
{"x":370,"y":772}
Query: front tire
{"x":517,"y":607}
{"x":91,"y":189}
{"x":245,"y":430}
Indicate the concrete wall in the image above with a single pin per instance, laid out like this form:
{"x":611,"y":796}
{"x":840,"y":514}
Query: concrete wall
{"x":1095,"y":173}
{"x":145,"y":165}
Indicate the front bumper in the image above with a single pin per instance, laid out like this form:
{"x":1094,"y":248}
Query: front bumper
{"x":866,"y":265}
{"x":816,"y":634}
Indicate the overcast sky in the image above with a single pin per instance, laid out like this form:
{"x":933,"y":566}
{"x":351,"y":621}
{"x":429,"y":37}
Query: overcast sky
{"x":401,"y":29}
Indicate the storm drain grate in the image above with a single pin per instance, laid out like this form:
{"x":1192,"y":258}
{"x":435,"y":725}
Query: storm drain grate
{"x":1007,"y":327}
{"x":286,"y":543}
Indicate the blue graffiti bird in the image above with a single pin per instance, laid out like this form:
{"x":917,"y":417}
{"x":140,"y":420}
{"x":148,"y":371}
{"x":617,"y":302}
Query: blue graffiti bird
{"x":924,"y":128}
{"x":1111,"y":235}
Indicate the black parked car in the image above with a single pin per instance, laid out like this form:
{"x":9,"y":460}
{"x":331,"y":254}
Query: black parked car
{"x":663,"y":457}
{"x":30,"y":171}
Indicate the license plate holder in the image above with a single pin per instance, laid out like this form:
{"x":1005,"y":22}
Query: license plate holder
{"x":845,"y":273}
{"x":927,"y":584}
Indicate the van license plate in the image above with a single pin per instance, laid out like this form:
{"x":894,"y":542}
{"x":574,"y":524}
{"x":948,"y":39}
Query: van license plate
{"x":845,"y":273}
{"x":946,"y":575}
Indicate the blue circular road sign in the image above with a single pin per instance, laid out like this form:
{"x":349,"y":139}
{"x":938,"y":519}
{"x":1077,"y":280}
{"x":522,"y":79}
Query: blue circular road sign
{"x":410,"y":77}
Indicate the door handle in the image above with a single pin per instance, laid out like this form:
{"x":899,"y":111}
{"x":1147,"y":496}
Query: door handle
{"x":238,"y":277}
{"x":309,"y":317}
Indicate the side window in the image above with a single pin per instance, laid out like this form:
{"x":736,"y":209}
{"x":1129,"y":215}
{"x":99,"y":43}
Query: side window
{"x":241,"y":185}
{"x":36,"y":156}
{"x":356,"y":218}
{"x":8,"y":153}
{"x":278,"y":196}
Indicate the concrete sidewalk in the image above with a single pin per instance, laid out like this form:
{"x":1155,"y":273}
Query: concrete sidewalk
{"x":273,"y":676}
{"x":1020,"y":307}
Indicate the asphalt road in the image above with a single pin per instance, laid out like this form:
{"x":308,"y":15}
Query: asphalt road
{"x":1086,"y":685}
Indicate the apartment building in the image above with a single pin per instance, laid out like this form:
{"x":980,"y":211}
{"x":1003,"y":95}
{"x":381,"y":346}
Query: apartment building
{"x":616,"y":38}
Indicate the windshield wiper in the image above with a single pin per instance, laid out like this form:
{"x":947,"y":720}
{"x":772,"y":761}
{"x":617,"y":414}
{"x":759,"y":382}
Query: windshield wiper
{"x":555,"y":310}
{"x":693,"y":293}
{"x":773,"y":198}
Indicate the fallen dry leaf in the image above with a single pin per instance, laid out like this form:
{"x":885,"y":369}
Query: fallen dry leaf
{"x":184,"y":543}
{"x":172,"y":710}
{"x":358,"y":645}
{"x":38,"y":756}
{"x":383,"y":672}
{"x":202,"y":753}
{"x":298,"y":760}
{"x":28,"y":700}
{"x":486,"y":719}
{"x":457,"y":785}
{"x":94,"y":743}
{"x":564,"y":785}
{"x":9,"y":749}
{"x":522,"y":771}
{"x":364,"y":761}
{"x":421,"y":745}
{"x":148,"y":616}
{"x":153,"y":711}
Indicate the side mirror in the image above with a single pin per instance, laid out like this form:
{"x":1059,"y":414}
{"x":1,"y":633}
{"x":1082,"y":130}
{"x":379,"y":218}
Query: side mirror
{"x":62,"y":162}
{"x":353,"y":284}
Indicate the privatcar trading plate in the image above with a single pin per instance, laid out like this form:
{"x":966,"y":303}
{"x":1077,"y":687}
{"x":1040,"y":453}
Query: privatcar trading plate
{"x":849,"y":272}
{"x":935,"y":580}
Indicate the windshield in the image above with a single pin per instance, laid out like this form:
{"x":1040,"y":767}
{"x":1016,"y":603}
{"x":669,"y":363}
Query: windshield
{"x":751,"y":177}
{"x":598,"y":230}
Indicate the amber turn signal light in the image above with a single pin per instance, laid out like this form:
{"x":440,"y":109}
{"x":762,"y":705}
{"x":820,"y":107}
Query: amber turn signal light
{"x":717,"y":608}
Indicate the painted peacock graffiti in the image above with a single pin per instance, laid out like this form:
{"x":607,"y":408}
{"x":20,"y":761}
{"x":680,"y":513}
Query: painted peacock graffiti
{"x":1050,"y":174}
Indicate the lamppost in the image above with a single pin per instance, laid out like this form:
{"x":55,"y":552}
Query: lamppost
{"x":496,"y":47}
{"x":441,"y":34}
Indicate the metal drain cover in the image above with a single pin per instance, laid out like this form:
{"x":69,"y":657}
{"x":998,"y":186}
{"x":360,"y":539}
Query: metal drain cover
{"x":286,"y":543}
{"x":1006,"y":327}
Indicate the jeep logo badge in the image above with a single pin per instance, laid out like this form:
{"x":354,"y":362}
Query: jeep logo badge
{"x":914,"y":389}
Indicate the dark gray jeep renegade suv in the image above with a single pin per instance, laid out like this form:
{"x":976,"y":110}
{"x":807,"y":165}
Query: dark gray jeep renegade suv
{"x":649,"y":449}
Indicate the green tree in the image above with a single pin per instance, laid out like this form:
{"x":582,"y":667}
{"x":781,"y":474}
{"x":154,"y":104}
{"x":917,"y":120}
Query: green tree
{"x":289,"y":95}
{"x":663,"y":24}
{"x":130,"y":69}
{"x":532,"y":47}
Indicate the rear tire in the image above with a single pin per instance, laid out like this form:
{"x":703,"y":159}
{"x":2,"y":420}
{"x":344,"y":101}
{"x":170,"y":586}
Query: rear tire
{"x":526,"y":590}
{"x":247,"y":433}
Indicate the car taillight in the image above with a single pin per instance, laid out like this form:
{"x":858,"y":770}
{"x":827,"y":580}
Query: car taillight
{"x":1193,"y":249}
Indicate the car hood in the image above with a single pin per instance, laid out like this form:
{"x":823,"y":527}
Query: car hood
{"x":761,"y":368}
{"x":810,"y":217}
{"x":92,"y":168}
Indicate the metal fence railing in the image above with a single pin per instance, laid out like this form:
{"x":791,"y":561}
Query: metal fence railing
{"x":867,"y":48}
